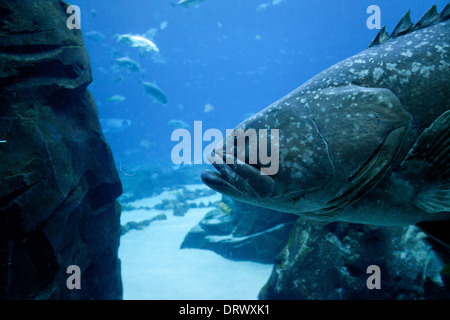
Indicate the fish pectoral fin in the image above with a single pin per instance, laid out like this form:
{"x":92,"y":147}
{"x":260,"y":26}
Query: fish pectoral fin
{"x":373,"y":170}
{"x":428,"y":166}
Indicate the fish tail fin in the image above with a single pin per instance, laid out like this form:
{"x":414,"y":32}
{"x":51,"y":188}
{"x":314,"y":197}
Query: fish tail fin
{"x":173,"y":4}
{"x":429,"y":163}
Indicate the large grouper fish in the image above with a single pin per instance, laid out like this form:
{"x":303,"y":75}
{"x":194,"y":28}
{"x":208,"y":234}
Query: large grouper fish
{"x":365,"y":141}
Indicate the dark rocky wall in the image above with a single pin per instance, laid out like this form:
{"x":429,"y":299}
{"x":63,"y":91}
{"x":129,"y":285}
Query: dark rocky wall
{"x":59,"y":183}
{"x":330,"y":261}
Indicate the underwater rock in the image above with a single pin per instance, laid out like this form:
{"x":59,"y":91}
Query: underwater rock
{"x":180,"y":205}
{"x":133,"y":225}
{"x":59,"y":184}
{"x":180,"y":209}
{"x":240,"y":231}
{"x":330,"y":261}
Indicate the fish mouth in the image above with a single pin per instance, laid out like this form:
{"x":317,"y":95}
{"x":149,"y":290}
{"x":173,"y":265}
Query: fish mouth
{"x":239,"y":180}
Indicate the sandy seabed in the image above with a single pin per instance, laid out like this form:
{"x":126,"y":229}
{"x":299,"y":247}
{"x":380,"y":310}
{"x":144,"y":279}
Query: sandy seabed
{"x":155,"y":268}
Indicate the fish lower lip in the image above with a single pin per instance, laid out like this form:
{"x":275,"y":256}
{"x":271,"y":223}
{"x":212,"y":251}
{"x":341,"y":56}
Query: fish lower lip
{"x":230,"y":176}
{"x":219,"y":182}
{"x":242,"y":179}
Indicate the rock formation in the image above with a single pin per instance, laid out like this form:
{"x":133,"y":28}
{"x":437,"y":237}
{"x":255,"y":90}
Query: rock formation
{"x":330,"y":261}
{"x":133,"y":225}
{"x":240,"y":231}
{"x":59,"y":183}
{"x":316,"y":260}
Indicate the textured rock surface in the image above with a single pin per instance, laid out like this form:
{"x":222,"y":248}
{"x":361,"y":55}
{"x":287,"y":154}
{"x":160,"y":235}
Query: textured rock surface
{"x":133,"y":225}
{"x":246,"y":233}
{"x":330,"y":262}
{"x":58,"y":181}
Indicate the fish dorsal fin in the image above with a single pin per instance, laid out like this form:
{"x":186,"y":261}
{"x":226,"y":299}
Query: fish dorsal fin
{"x":428,"y":166}
{"x":445,"y":14}
{"x":380,"y":38}
{"x":406,"y":26}
{"x":430,"y":17}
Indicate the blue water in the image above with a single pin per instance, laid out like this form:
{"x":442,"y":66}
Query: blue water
{"x":224,"y":52}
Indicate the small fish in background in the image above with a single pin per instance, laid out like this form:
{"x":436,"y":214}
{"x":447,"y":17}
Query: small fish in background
{"x":266,"y":5}
{"x":113,"y":125}
{"x":155,"y":92}
{"x":208,"y":108}
{"x":128,"y":64}
{"x":94,"y":35}
{"x":93,"y":13}
{"x":116,"y":99}
{"x":141,"y":42}
{"x":3,"y":141}
{"x":187,"y":3}
{"x":163,"y":25}
{"x":263,"y":6}
{"x":178,"y":124}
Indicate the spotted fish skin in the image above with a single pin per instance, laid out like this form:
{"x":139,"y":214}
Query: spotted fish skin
{"x":349,"y":136}
{"x":415,"y":67}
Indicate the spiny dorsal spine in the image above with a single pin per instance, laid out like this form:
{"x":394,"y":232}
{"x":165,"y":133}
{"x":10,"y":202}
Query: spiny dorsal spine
{"x":430,"y":17}
{"x":445,"y":14}
{"x":406,"y":26}
{"x":381,"y":37}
